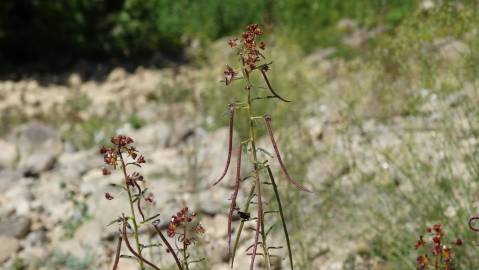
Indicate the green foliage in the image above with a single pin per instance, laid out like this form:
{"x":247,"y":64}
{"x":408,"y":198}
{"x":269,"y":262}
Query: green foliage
{"x":133,"y":27}
{"x":299,"y":18}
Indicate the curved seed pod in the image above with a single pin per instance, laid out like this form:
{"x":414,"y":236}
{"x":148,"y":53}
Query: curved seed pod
{"x":233,"y":198}
{"x":259,"y":221}
{"x":265,"y":77}
{"x":170,"y":249}
{"x":230,"y":139}
{"x":267,"y":121}
{"x":471,"y":225}
{"x":125,"y":237}
{"x":117,"y":255}
{"x":139,"y":200}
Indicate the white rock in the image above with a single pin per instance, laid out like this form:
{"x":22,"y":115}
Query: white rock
{"x":8,"y":154}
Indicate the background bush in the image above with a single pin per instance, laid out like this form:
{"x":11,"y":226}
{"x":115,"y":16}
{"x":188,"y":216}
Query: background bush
{"x":31,"y":30}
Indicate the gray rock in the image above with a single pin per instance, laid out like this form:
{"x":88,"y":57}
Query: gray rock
{"x":7,"y":178}
{"x":8,"y":154}
{"x":17,"y":226}
{"x":39,"y":146}
{"x":76,"y":164}
{"x":9,"y":246}
{"x":36,"y":238}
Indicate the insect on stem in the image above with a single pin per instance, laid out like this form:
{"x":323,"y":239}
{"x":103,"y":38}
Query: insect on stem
{"x":267,"y":121}
{"x":230,"y":139}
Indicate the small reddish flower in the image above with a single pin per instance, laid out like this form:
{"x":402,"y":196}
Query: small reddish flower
{"x":229,"y":74}
{"x":103,"y":150}
{"x":108,"y":196}
{"x":184,"y":226}
{"x":232,"y":42}
{"x":105,"y":171}
{"x":262,"y":45}
{"x":141,"y":159}
{"x":458,"y":242}
{"x":420,"y":242}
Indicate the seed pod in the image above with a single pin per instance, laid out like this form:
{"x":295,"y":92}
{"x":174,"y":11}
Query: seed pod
{"x":233,"y":198}
{"x":267,"y":121}
{"x":230,"y":139}
{"x":265,"y":77}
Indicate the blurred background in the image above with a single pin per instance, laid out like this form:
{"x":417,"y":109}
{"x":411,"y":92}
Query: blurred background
{"x":383,"y":124}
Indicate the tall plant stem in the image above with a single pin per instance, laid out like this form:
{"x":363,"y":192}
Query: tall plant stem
{"x":240,"y":229}
{"x":132,"y":207}
{"x":283,"y":220}
{"x":185,"y":255}
{"x":260,"y":219}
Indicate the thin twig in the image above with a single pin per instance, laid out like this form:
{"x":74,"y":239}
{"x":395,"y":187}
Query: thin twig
{"x":267,"y":121}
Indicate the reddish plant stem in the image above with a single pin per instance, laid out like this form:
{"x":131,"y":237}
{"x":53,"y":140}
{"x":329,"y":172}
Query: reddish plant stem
{"x":233,"y":198}
{"x":117,"y":254}
{"x":267,"y":121}
{"x":168,"y":246}
{"x":125,"y":237}
{"x":230,"y":139}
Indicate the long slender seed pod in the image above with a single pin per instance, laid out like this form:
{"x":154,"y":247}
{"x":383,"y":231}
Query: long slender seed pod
{"x":117,"y":255}
{"x":260,"y":218}
{"x":233,"y":198}
{"x":170,"y":249}
{"x":265,"y":77}
{"x":139,"y":199}
{"x":283,"y":220}
{"x":125,"y":237}
{"x":230,"y":139}
{"x":267,"y":121}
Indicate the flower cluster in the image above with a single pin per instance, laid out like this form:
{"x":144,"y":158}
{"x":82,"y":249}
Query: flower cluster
{"x":442,"y":255}
{"x":183,"y":224}
{"x":122,"y":145}
{"x":249,"y":51}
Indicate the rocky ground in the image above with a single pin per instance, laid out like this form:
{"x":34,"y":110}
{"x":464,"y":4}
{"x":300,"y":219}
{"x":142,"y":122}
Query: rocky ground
{"x":53,"y":213}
